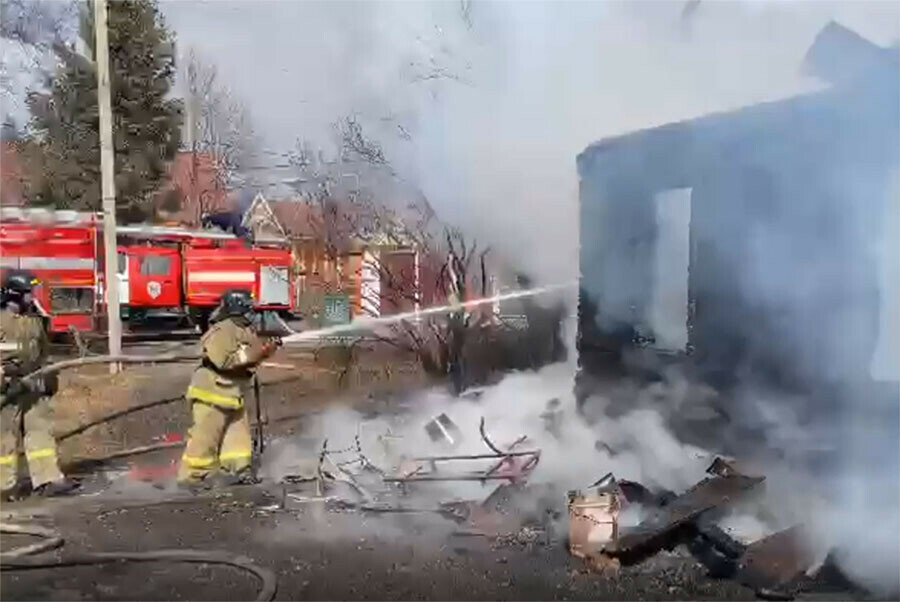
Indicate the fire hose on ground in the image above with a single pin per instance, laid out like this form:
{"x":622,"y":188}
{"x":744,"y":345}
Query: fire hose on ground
{"x":109,"y":359}
{"x":122,"y":359}
{"x":33,"y":377}
{"x":22,"y":558}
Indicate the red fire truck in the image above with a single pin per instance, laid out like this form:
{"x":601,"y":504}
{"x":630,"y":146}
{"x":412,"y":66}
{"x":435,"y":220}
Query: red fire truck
{"x":61,"y":249}
{"x":167,"y":276}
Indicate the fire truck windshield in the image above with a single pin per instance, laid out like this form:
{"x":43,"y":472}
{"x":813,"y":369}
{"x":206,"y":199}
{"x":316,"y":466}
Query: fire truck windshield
{"x":155,"y":265}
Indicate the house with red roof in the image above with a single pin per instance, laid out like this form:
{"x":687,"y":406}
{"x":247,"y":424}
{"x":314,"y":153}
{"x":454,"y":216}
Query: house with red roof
{"x":345,"y":249}
{"x":337,"y":252}
{"x":195,"y":187}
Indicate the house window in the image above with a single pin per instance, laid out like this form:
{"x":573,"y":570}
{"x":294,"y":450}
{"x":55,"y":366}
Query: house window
{"x":155,"y":265}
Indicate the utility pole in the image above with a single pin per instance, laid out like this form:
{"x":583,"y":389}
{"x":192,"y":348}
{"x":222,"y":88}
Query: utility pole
{"x":108,"y":182}
{"x":191,"y":133}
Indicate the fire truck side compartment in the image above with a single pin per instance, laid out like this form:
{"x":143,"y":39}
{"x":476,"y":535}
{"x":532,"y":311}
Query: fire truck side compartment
{"x":63,"y":257}
{"x":212,"y":271}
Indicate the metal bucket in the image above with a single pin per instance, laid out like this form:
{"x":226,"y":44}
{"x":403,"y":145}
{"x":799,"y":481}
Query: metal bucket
{"x":593,"y":521}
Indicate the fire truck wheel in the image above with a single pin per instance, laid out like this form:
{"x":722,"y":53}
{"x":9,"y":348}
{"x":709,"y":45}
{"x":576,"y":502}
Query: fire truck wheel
{"x":200,"y":319}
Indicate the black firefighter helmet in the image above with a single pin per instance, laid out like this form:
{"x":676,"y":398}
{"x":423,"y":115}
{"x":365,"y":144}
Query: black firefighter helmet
{"x":233,"y":304}
{"x":18,"y":286}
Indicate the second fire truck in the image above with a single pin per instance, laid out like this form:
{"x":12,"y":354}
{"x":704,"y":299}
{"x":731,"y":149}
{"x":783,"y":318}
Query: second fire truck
{"x":168,"y":276}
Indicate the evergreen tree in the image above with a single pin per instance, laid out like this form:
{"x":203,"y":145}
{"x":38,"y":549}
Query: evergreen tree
{"x":146,"y":122}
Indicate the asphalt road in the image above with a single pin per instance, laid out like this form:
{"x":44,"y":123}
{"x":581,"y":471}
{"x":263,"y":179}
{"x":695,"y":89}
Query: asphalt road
{"x":321,"y":554}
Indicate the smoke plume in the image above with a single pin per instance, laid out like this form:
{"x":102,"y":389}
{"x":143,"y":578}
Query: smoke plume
{"x":483,"y":107}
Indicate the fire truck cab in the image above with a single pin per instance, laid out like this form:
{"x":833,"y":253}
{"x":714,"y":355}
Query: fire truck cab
{"x":149,"y":283}
{"x":179,"y":275}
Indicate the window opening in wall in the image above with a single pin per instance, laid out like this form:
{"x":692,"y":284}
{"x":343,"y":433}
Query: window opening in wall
{"x":885,"y":364}
{"x":668,"y":310}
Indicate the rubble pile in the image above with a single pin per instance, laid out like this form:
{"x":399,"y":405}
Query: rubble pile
{"x":390,"y":490}
{"x":775,"y":567}
{"x":522,"y":514}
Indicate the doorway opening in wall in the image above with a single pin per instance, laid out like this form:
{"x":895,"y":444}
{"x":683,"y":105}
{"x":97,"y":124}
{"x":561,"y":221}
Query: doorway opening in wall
{"x":885,"y":364}
{"x":667,"y":314}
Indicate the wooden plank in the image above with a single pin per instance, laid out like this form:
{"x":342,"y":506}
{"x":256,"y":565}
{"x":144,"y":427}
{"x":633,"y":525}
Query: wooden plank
{"x":702,"y":497}
{"x":775,"y":562}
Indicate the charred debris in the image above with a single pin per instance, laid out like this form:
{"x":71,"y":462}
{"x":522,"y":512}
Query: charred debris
{"x":517,"y":512}
{"x":776,"y":567}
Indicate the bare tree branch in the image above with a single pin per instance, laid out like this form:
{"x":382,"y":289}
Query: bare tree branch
{"x":218,"y":123}
{"x":465,"y":13}
{"x":31,"y":31}
{"x":445,"y":255}
{"x":353,"y":142}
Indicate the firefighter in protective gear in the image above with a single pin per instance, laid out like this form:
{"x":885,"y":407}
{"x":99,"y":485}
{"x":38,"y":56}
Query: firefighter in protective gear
{"x":26,"y":413}
{"x":220,"y":438}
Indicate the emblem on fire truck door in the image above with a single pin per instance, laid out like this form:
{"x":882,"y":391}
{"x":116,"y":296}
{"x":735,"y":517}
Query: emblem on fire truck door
{"x":154,"y":289}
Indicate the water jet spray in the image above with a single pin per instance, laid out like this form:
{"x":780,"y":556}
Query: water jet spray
{"x":369,"y":323}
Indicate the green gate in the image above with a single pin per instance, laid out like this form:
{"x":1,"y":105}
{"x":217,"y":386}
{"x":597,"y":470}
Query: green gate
{"x":336,"y":309}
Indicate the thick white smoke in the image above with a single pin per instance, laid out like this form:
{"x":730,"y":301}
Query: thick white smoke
{"x":484,"y":106}
{"x":645,"y":448}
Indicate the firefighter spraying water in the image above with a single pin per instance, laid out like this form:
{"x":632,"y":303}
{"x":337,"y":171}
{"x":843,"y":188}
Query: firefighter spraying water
{"x":220,"y":436}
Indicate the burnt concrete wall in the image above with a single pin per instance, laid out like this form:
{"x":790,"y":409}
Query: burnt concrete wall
{"x":786,"y":200}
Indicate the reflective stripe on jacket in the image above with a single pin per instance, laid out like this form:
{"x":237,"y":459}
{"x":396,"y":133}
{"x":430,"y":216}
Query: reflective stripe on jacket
{"x":230,"y":354}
